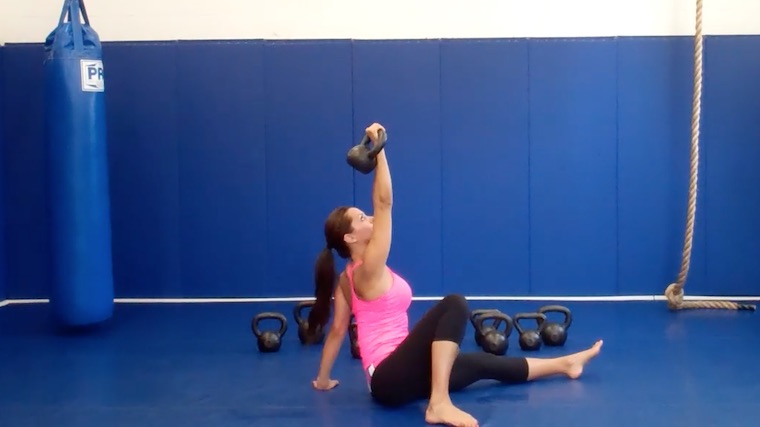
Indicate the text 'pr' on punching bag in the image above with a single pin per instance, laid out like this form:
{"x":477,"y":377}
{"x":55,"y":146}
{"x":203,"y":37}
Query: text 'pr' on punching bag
{"x":77,"y":168}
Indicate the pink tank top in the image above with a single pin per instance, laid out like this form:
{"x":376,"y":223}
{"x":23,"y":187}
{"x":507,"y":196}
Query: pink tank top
{"x":382,"y":324}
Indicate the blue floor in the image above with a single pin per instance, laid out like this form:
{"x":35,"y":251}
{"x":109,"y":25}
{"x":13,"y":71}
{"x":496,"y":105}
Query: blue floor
{"x":197,"y":365}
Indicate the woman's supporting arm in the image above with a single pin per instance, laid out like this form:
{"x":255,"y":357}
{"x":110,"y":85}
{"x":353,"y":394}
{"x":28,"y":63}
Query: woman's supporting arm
{"x":335,"y":337}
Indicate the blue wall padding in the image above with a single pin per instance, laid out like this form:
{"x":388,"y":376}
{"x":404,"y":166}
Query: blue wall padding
{"x":26,"y":241}
{"x":144,"y":148}
{"x":484,"y":126}
{"x":222,"y":168}
{"x":398,"y":83}
{"x":573,"y":158}
{"x":731,"y":200}
{"x":654,"y":122}
{"x":542,"y":167}
{"x":308,"y":132}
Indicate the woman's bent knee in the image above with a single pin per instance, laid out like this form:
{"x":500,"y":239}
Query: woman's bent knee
{"x":457,"y":302}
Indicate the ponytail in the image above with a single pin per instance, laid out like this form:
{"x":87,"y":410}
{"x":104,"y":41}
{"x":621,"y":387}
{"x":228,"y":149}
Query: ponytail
{"x":324,"y":285}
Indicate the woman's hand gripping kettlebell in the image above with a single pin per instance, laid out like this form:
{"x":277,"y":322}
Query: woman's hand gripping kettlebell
{"x":362,"y":157}
{"x":373,"y":132}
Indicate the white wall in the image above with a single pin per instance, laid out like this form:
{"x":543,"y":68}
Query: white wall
{"x":32,"y":20}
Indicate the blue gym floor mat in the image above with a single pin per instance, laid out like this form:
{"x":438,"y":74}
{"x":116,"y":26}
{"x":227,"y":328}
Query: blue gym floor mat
{"x":198,"y":365}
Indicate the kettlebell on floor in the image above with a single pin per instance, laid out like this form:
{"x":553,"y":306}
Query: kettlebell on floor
{"x":269,"y":341}
{"x":554,"y":334}
{"x":530,"y":339}
{"x":495,"y":341}
{"x":480,"y":330}
{"x":304,"y":335}
{"x":353,"y":336}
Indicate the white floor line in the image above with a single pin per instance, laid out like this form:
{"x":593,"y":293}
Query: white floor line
{"x":609,"y":298}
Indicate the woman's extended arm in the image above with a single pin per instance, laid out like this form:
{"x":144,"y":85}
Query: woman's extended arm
{"x":376,"y":253}
{"x":335,"y":337}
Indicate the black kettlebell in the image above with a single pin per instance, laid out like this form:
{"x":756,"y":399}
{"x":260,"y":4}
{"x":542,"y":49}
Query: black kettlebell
{"x":554,"y":334}
{"x":530,"y":339}
{"x":363,"y":157}
{"x":353,"y":336}
{"x":269,"y":341}
{"x":480,"y":330}
{"x":303,"y":325}
{"x":495,"y":341}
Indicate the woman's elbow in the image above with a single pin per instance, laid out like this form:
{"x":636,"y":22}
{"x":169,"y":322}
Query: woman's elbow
{"x":337,"y":331}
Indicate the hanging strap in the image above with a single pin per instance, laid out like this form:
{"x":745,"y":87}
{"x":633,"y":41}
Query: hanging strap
{"x":71,"y":11}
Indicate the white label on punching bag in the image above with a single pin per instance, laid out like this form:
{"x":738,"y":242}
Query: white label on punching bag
{"x":92,"y":75}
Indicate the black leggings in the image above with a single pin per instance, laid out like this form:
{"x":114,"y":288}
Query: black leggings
{"x":405,"y":375}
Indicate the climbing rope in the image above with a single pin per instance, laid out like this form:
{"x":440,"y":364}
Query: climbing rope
{"x":674,"y":292}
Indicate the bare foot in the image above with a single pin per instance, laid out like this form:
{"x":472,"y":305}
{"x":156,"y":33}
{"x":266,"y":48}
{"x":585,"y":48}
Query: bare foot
{"x":448,"y":414}
{"x":578,"y":360}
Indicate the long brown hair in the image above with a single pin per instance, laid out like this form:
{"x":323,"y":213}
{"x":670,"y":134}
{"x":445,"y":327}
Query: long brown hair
{"x":337,"y":225}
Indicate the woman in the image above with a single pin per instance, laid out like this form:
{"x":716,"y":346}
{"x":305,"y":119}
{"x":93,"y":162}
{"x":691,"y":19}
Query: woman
{"x":401,"y":365}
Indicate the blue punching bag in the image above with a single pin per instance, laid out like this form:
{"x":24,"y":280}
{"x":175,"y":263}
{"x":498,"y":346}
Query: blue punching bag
{"x":77,"y":166}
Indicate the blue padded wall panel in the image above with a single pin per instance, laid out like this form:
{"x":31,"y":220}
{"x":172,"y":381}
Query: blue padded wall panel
{"x":731,"y":154}
{"x":573,"y":166}
{"x":2,"y":176}
{"x":221,"y":177}
{"x":308,"y":131}
{"x":142,"y":142}
{"x":222,"y":191}
{"x":397,"y":83}
{"x":24,"y":156}
{"x":484,"y":133}
{"x":654,"y":131}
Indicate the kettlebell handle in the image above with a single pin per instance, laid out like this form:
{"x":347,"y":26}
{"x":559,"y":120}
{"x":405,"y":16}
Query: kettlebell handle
{"x":540,"y":318}
{"x":499,"y":317}
{"x":267,"y":316}
{"x":298,"y":310}
{"x":479,"y":312}
{"x":559,"y":309}
{"x":382,"y":138}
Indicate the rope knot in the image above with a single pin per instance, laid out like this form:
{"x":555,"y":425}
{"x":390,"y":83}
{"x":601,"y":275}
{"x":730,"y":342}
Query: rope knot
{"x":674,"y":293}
